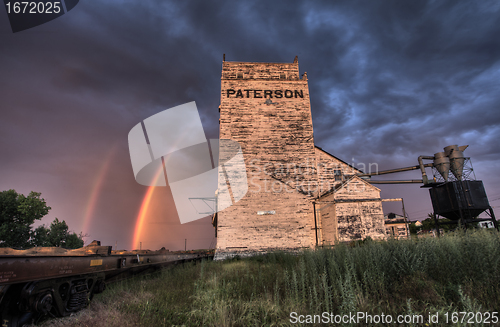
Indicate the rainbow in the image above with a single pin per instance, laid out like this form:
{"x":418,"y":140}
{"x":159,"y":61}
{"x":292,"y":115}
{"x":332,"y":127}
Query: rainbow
{"x":96,"y":190}
{"x":146,"y":201}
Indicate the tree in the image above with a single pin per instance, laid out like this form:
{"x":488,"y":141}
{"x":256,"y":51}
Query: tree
{"x":74,"y":241}
{"x":414,"y":228}
{"x":17,"y":214}
{"x":58,"y":233}
{"x":40,"y":237}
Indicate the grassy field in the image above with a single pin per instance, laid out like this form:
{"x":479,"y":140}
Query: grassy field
{"x":457,"y":272}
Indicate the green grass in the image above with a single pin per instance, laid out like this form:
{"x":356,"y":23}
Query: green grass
{"x":457,"y":272}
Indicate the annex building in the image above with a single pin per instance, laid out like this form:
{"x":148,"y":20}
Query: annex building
{"x":299,"y":196}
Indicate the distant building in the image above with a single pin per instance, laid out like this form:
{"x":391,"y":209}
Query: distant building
{"x":396,"y":226}
{"x":417,"y":223}
{"x":486,"y":224}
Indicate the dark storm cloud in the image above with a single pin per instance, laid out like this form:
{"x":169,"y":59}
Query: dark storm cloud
{"x":389,"y":80}
{"x":411,"y":74}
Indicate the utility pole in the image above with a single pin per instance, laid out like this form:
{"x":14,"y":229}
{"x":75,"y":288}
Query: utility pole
{"x":185,"y":244}
{"x":140,"y":245}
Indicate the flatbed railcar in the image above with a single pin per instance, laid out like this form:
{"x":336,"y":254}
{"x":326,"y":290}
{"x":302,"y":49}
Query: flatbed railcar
{"x":57,"y":282}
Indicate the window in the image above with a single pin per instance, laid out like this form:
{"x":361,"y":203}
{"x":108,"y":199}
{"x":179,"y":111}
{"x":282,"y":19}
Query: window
{"x":338,"y":174}
{"x":239,"y":75}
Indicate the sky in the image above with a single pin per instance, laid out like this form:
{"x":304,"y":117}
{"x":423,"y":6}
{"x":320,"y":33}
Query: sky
{"x":388,"y":81}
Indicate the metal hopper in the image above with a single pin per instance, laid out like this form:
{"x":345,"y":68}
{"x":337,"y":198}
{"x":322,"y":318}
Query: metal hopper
{"x":456,"y":155}
{"x":442,"y":164}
